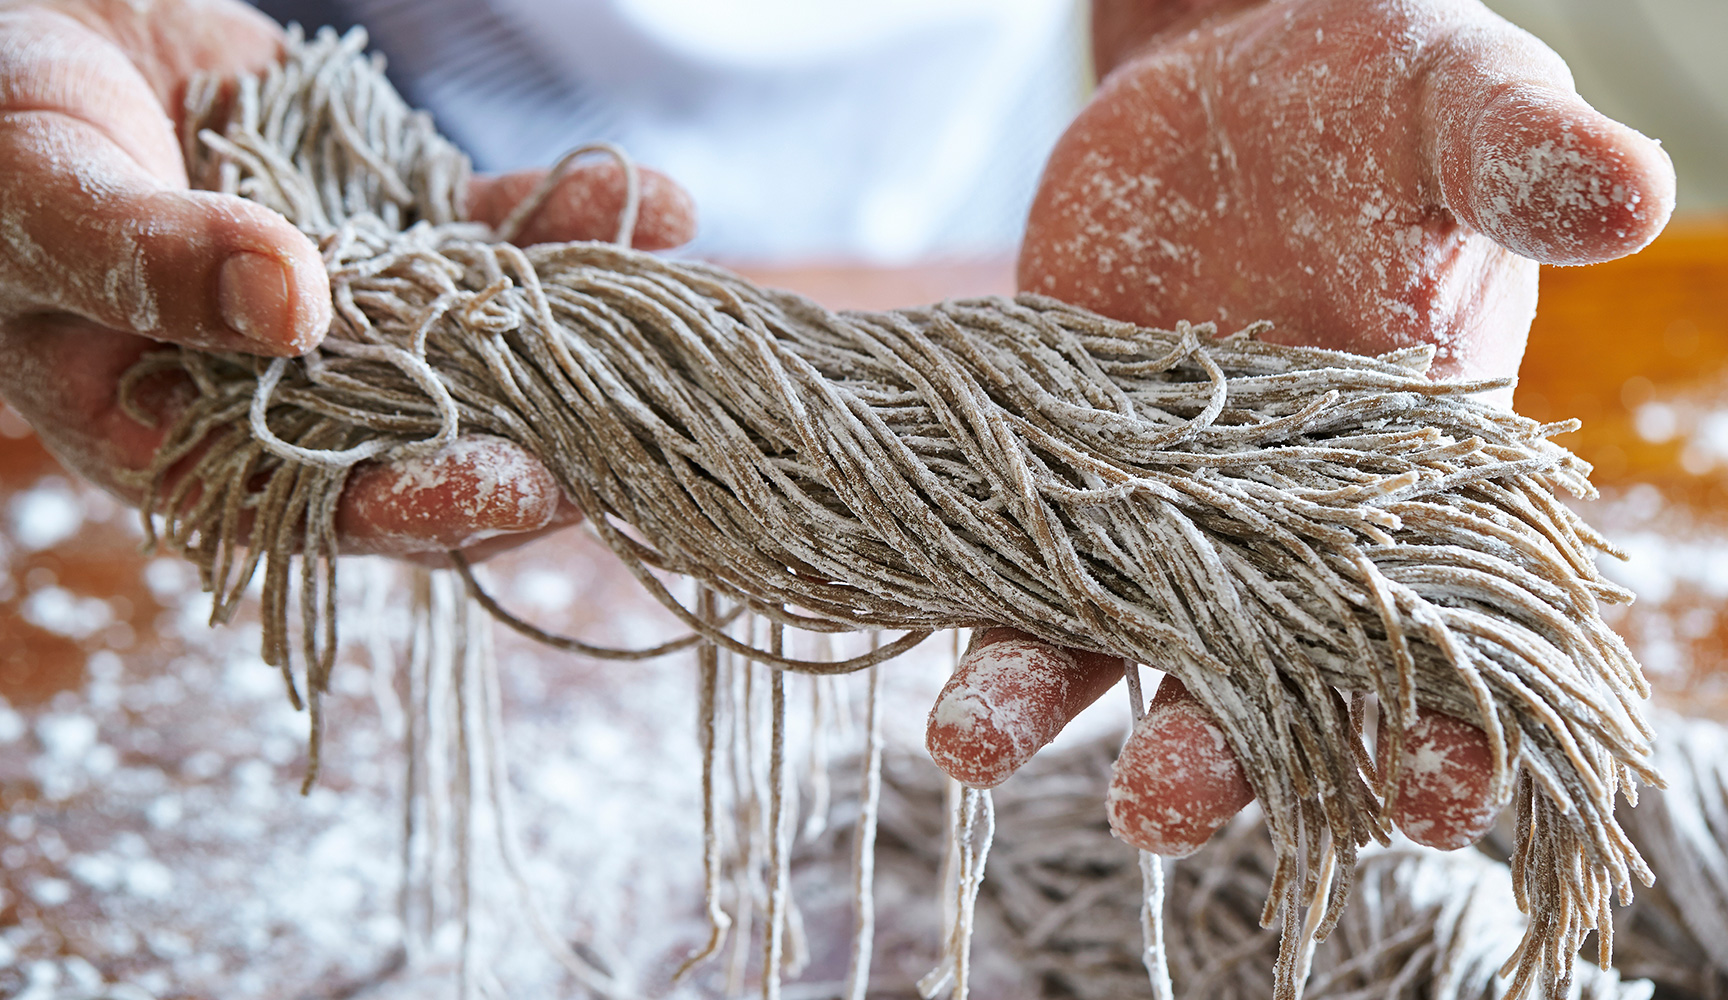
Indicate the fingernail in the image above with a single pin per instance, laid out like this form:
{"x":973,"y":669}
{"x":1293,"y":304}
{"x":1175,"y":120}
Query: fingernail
{"x":253,"y":294}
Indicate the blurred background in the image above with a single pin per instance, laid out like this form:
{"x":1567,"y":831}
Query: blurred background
{"x":897,"y":131}
{"x":151,"y":841}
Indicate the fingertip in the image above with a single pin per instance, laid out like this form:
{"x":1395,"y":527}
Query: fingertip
{"x":967,"y":740}
{"x":1176,"y":782}
{"x":668,"y":216}
{"x":264,"y":289}
{"x":1554,"y":180}
{"x":474,"y":489}
{"x":1445,"y":783}
{"x":587,"y":205}
{"x":275,"y":298}
{"x":1009,"y":697}
{"x":996,"y":711}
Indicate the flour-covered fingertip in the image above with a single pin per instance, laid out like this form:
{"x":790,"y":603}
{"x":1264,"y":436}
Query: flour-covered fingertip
{"x":475,"y":488}
{"x":1176,"y":781}
{"x":1006,"y":700}
{"x":1445,"y":782}
{"x":1554,"y":180}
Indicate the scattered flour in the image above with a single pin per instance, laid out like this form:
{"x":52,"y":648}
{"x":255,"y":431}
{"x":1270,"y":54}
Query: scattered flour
{"x":154,"y":808}
{"x":44,"y":516}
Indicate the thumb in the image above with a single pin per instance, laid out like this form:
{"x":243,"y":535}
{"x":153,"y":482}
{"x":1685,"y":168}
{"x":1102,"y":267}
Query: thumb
{"x":85,"y":229}
{"x":1522,"y":158}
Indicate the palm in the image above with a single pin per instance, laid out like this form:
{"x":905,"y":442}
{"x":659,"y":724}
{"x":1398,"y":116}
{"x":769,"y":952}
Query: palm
{"x":1358,"y":173}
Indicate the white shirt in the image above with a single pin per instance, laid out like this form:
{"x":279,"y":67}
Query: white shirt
{"x":882,"y":131}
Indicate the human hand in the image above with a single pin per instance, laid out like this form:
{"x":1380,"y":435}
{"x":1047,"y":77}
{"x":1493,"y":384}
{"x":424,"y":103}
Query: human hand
{"x":105,"y":255}
{"x":1368,"y":176}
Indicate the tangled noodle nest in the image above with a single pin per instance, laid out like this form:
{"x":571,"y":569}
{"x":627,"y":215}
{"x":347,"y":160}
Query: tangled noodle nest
{"x":1289,"y":531}
{"x":1423,"y":924}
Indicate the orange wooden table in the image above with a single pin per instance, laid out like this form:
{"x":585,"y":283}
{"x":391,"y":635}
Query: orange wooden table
{"x":1613,"y":339}
{"x":111,"y":679}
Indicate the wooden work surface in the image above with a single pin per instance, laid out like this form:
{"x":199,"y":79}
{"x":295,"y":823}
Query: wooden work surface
{"x":91,"y":628}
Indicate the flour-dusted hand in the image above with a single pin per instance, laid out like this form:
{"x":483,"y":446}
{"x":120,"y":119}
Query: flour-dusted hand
{"x":105,"y":254}
{"x":1367,"y":174}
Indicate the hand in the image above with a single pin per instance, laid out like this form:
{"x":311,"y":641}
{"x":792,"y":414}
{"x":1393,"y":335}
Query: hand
{"x":1367,"y":174}
{"x":105,"y":254}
